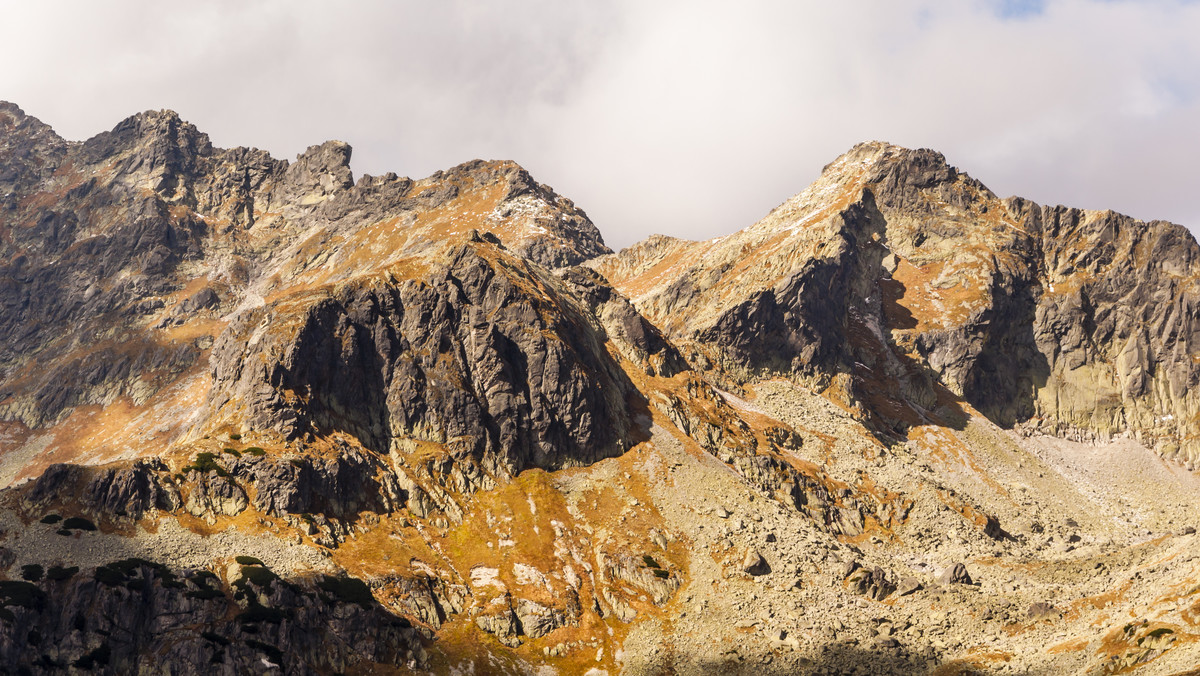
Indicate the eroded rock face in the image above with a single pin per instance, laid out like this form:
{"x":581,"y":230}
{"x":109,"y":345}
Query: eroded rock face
{"x":337,"y":487}
{"x":901,"y":275}
{"x":133,"y":492}
{"x":639,"y":341}
{"x":955,"y":573}
{"x":335,"y":490}
{"x":121,"y":257}
{"x":873,"y":582}
{"x":1117,"y":324}
{"x":801,"y":322}
{"x":472,"y":356}
{"x":213,"y":496}
{"x":133,"y":615}
{"x":31,"y":151}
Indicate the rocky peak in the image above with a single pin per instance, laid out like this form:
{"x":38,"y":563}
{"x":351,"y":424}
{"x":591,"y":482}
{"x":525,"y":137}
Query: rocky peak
{"x":161,"y":135}
{"x":154,"y":149}
{"x":527,"y":216}
{"x":893,"y":259}
{"x":923,"y":166}
{"x":15,"y":122}
{"x":322,"y":170}
{"x":29,"y":151}
{"x":123,"y":258}
{"x":903,"y":179}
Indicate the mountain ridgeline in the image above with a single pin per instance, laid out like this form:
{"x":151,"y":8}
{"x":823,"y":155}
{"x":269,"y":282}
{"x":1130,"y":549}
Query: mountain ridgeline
{"x":901,"y":276}
{"x":285,"y":407}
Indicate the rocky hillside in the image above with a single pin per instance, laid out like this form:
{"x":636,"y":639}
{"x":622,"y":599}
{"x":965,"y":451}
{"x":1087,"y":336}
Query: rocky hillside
{"x":125,"y":257}
{"x":259,"y":417}
{"x":904,"y":275}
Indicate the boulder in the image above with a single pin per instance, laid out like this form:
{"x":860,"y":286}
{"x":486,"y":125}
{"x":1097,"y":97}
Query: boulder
{"x":1042,"y":611}
{"x":955,"y":573}
{"x":754,"y":563}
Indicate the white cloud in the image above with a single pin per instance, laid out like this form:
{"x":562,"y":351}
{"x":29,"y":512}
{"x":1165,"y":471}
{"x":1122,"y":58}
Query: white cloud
{"x":690,"y":118}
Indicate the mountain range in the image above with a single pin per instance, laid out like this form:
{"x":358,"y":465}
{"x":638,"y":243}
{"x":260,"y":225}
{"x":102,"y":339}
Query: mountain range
{"x":257,"y":416}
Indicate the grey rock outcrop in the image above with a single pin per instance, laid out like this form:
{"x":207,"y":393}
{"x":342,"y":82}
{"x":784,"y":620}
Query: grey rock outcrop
{"x":1042,"y":611}
{"x":213,"y":496}
{"x":338,"y":487}
{"x":132,"y":492}
{"x":503,"y":625}
{"x":537,"y":620}
{"x":639,"y":341}
{"x":874,"y":583}
{"x":521,"y":617}
{"x":467,"y":357}
{"x":753,"y":563}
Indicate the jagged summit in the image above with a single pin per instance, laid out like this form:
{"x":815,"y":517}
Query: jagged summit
{"x":161,"y":152}
{"x":126,"y":254}
{"x":897,"y":252}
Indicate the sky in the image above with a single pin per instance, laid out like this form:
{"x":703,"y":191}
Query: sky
{"x":689,"y":118}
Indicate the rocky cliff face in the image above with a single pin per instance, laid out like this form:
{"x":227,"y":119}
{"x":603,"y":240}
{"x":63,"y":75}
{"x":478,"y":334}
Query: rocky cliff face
{"x":488,"y":355}
{"x":905,"y":275}
{"x":258,"y":415}
{"x":127,"y":615}
{"x":125,"y":256}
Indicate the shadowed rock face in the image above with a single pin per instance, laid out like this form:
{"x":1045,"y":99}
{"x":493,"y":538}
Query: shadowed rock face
{"x":475,"y":356}
{"x":801,"y":322}
{"x":908,"y":276}
{"x":134,"y":615}
{"x":123,"y":258}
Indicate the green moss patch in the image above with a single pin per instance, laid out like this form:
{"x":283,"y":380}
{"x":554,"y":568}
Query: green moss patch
{"x":60,"y":573}
{"x":204,"y":463}
{"x":347,"y":590}
{"x":78,"y":523}
{"x":22,"y":594}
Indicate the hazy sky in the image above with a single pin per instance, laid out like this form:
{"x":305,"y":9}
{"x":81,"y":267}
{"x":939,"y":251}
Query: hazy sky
{"x":690,"y":118}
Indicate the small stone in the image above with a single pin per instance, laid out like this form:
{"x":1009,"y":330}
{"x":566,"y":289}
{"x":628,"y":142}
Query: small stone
{"x":754,"y":563}
{"x":955,"y":573}
{"x":1042,"y":611}
{"x":849,"y":568}
{"x":907,"y":585}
